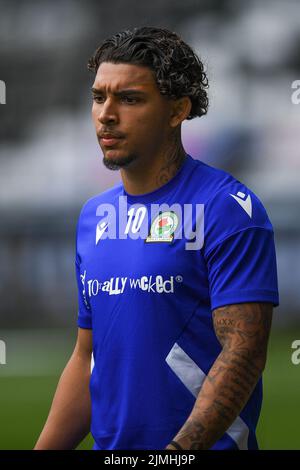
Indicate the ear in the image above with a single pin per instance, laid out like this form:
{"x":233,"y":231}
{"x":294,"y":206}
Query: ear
{"x":181,"y":108}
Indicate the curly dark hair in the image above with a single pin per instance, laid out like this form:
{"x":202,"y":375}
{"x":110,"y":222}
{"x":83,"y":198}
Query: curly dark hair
{"x":178,"y":70}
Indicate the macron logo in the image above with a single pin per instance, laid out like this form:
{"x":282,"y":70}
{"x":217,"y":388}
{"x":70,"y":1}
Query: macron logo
{"x":246,"y":204}
{"x":100,"y":229}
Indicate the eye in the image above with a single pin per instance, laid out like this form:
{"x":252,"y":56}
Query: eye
{"x":98,"y":98}
{"x":129,"y":99}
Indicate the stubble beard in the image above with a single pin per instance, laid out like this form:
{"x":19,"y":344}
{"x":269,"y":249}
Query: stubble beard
{"x":118,"y":163}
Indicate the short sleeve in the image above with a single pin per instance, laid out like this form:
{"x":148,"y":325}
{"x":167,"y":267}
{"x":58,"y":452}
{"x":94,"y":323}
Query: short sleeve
{"x":239,"y":250}
{"x":84,"y":309}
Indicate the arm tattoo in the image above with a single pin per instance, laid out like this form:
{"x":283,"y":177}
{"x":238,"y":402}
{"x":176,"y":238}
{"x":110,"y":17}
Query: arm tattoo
{"x":243,"y":331}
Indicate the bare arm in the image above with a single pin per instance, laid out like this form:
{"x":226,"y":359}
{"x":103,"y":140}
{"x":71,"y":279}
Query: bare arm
{"x":69,"y":417}
{"x":243,"y":331}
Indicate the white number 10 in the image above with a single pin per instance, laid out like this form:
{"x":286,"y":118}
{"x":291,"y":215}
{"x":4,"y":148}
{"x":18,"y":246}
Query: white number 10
{"x":136,"y":217}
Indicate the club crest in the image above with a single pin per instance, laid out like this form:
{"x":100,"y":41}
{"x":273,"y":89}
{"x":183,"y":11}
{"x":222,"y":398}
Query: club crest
{"x":163,"y":228}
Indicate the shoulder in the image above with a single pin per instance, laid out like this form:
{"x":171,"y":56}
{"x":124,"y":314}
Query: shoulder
{"x":87,"y":220}
{"x":229,"y":205}
{"x":215,"y":186}
{"x":207,"y":180}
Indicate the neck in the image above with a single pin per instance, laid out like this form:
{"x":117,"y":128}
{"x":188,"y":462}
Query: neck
{"x":145,"y":177}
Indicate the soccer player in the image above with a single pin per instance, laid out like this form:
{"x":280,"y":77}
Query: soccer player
{"x":176,"y":271}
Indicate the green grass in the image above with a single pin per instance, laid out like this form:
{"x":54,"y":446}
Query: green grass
{"x":279,"y":422}
{"x":25,"y":402}
{"x":35,"y":360}
{"x":25,"y":399}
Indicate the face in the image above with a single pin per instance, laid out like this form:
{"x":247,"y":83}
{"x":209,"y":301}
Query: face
{"x":131,"y":117}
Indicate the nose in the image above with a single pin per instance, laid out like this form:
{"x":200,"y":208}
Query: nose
{"x":107,"y":112}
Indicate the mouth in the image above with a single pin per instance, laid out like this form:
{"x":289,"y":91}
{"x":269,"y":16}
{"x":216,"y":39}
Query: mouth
{"x":109,"y":140}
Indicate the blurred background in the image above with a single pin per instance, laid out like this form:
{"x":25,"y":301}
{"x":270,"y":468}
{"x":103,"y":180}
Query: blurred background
{"x":50,"y":164}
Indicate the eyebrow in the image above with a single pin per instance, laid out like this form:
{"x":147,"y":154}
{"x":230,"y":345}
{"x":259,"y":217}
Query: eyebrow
{"x":129,"y":91}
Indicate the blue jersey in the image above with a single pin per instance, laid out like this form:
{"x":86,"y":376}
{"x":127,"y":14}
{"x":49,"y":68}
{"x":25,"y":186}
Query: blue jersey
{"x":150,"y":270}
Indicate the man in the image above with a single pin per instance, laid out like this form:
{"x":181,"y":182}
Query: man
{"x":177,"y":318}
